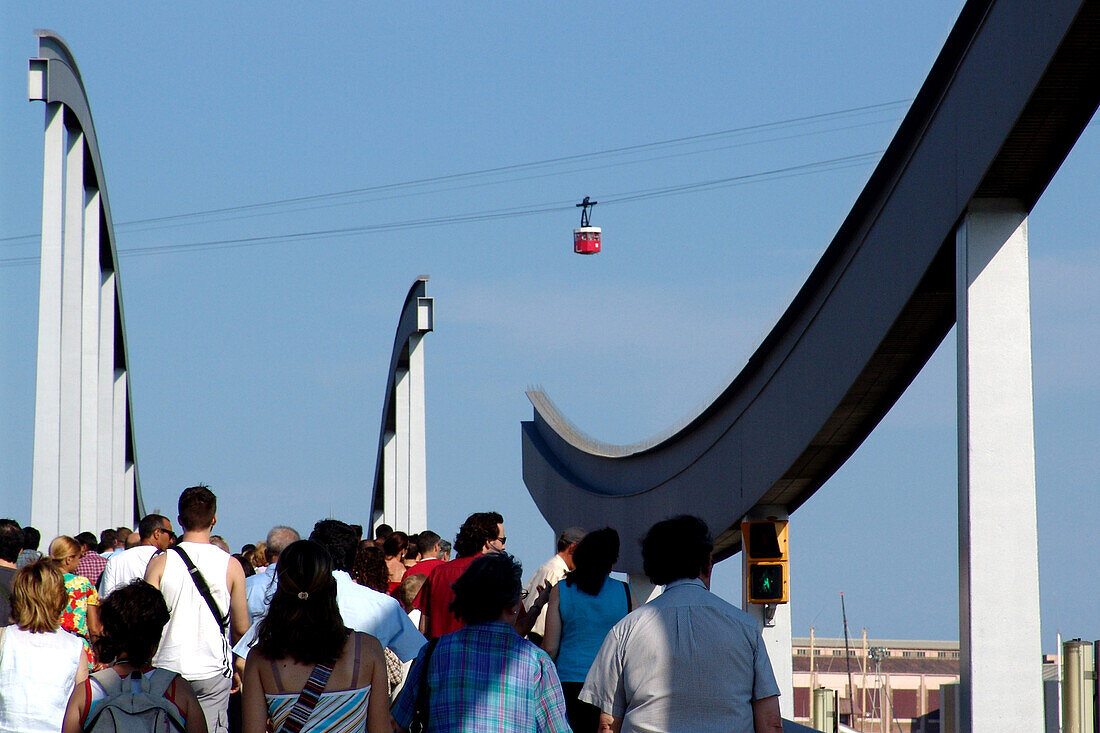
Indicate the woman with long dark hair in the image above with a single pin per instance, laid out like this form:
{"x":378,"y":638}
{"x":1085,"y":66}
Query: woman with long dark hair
{"x":302,"y":643}
{"x":370,"y":567}
{"x":582,"y":609}
{"x":395,"y":547}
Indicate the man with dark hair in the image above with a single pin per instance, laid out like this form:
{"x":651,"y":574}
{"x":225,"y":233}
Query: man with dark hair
{"x":362,"y":608}
{"x":156,"y":536}
{"x":258,"y":588}
{"x":485,"y":677}
{"x":549,"y":573}
{"x":365,"y":609}
{"x":427,"y":547}
{"x":687,"y":660}
{"x":31,"y":539}
{"x":122,"y":534}
{"x":382,"y":533}
{"x":481,"y":533}
{"x":11,"y":542}
{"x":108,"y":538}
{"x":195,"y":643}
{"x":91,"y":562}
{"x":412,"y":552}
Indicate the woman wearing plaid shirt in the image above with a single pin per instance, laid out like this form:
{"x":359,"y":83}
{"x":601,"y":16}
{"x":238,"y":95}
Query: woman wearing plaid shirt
{"x":485,"y":677}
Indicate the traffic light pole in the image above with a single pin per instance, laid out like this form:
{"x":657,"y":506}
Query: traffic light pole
{"x":775,"y":622}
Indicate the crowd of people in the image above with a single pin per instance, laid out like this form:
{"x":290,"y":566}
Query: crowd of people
{"x":340,"y":632}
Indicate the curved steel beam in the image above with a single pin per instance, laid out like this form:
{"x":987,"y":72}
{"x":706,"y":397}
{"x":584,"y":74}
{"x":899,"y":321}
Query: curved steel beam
{"x":1005,"y":101}
{"x":399,"y":497}
{"x":55,"y":79}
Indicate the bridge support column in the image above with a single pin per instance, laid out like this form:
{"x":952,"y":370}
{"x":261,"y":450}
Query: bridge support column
{"x":401,"y":475}
{"x":775,"y":623}
{"x":1001,"y":682}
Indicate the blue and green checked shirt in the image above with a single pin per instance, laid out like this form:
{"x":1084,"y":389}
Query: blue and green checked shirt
{"x":486,"y":679}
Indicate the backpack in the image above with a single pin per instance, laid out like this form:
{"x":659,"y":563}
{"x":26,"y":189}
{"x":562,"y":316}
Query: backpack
{"x":135,"y":704}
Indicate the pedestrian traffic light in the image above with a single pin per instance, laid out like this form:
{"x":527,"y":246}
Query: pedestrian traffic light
{"x":767,"y":577}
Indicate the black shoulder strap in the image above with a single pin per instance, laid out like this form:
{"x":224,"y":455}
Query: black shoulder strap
{"x":204,"y":589}
{"x":421,"y":709}
{"x":629,"y":602}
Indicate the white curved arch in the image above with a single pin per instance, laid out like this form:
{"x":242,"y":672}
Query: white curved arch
{"x":400,"y":494}
{"x":85,"y":467}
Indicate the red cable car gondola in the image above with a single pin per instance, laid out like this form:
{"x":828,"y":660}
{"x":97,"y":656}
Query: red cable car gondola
{"x":586,"y":239}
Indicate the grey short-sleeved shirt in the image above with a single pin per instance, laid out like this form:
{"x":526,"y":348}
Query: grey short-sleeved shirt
{"x":687,"y":660}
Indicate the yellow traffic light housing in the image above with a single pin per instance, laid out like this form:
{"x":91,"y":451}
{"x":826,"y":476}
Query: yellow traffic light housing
{"x":767,"y":566}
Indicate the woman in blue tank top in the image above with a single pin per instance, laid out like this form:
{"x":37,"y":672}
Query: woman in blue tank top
{"x":582,"y":609}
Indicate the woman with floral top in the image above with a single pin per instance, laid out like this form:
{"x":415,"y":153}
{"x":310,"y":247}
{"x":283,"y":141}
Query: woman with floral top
{"x":81,"y":614}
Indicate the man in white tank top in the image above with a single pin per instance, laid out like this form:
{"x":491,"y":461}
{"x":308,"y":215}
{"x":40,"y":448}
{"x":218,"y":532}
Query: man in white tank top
{"x":195,"y":643}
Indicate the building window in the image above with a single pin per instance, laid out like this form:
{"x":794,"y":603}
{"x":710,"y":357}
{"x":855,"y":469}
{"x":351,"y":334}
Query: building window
{"x":907,"y":654}
{"x":800,"y":652}
{"x":942,"y":655}
{"x":920,"y":654}
{"x":954,"y":655}
{"x":838,"y":652}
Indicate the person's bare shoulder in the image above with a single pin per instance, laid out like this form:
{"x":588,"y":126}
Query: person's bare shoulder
{"x":155,"y":569}
{"x":369,"y":645}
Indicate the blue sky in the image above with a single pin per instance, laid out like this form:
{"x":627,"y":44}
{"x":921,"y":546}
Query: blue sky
{"x":260,"y":369}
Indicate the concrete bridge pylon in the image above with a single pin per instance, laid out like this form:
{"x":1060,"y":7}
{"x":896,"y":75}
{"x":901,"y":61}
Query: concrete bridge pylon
{"x":85,"y":474}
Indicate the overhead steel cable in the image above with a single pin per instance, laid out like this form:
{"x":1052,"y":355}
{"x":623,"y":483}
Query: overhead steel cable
{"x":843,"y":162}
{"x":398,"y":195}
{"x":302,"y":202}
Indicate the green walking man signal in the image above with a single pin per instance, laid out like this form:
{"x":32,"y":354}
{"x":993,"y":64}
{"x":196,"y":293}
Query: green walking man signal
{"x":766,"y":562}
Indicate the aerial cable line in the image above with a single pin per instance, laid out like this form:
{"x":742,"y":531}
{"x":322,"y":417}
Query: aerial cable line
{"x":803,"y":169}
{"x":619,"y":151}
{"x":398,"y":195}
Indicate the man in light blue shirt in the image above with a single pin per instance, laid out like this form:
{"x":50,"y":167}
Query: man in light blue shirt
{"x":687,"y":660}
{"x":363,"y":609}
{"x":258,"y":588}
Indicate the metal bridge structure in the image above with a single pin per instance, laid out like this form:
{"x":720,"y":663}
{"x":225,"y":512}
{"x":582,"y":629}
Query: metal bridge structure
{"x":85,"y":471}
{"x":400,"y":494}
{"x":937,"y":237}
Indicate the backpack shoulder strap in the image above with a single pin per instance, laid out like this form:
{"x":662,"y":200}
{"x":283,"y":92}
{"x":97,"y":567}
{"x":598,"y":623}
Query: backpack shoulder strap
{"x":108,"y":680}
{"x":204,"y":589}
{"x":157,"y":682}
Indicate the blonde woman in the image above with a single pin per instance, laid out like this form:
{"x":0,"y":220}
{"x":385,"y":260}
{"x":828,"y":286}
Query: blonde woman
{"x":40,"y":665}
{"x":81,"y":613}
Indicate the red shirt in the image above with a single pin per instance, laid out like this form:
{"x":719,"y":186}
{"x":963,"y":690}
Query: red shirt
{"x":422,"y":568}
{"x":436,"y":595}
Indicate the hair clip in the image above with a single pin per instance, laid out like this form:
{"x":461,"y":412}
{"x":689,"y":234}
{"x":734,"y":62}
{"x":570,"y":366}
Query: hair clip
{"x":303,"y":595}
